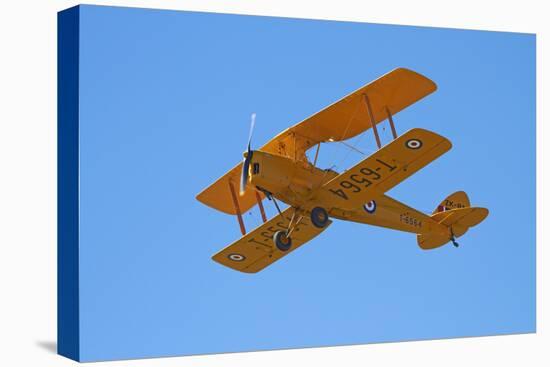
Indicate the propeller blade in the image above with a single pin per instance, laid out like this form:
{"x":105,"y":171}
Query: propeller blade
{"x":244,"y":176}
{"x":252,"y":123}
{"x":246,"y":161}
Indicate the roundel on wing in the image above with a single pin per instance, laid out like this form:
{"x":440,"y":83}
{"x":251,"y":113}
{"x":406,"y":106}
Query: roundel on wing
{"x":413,"y":144}
{"x":236,"y":257}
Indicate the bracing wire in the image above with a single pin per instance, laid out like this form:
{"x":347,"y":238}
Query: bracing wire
{"x":352,"y":147}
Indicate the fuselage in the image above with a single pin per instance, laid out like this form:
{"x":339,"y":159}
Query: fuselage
{"x":298,"y":183}
{"x":293,"y":182}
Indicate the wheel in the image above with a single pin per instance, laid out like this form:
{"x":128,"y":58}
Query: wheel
{"x":281,"y":240}
{"x":319,"y":217}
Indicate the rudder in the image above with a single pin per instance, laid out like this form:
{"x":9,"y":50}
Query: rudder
{"x":456,"y":200}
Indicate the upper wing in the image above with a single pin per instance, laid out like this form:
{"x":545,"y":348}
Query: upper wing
{"x":256,"y":250}
{"x":383,"y":170}
{"x":342,"y":120}
{"x":349,"y":116}
{"x":219,"y":196}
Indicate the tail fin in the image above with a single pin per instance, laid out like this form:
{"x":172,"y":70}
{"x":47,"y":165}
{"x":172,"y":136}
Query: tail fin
{"x":456,"y":200}
{"x":456,"y":216}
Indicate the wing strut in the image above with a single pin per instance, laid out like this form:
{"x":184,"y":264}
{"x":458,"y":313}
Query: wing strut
{"x":390,"y":119}
{"x":262,"y":211}
{"x":372,"y":121}
{"x":316,"y":154}
{"x":237,"y":209}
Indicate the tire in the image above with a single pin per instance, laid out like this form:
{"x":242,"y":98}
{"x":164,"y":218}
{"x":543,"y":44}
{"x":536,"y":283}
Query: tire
{"x":282,"y":242}
{"x":319,"y":217}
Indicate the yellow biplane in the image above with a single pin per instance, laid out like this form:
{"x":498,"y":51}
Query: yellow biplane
{"x":281,"y":170}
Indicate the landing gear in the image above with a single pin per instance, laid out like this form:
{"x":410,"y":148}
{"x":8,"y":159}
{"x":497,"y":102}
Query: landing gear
{"x":282,"y":240}
{"x":319,"y":217}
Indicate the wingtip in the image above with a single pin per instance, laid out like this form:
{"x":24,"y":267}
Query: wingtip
{"x":486,"y":212}
{"x":411,"y":71}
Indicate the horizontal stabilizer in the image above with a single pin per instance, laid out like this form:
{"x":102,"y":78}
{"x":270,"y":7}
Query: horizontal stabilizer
{"x":457,"y":223}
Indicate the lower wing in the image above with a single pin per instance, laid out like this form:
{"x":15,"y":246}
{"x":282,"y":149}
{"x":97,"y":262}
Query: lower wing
{"x":256,"y":250}
{"x":383,"y":170}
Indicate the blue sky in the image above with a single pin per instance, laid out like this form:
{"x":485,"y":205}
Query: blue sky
{"x":166,"y":99}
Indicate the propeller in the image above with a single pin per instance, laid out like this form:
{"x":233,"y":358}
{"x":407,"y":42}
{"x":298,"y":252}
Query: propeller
{"x":247,"y":155}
